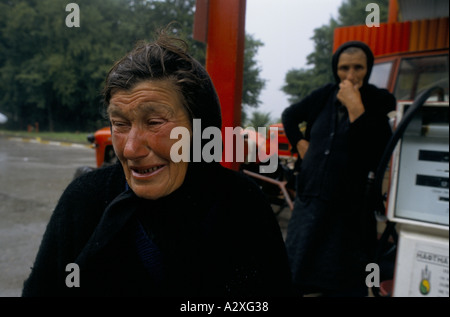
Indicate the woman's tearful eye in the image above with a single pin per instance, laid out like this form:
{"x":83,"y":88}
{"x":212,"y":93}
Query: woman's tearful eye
{"x":117,"y":124}
{"x":154,"y":124}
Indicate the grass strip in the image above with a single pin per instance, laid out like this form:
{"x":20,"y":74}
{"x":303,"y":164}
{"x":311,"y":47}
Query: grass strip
{"x":69,"y":137}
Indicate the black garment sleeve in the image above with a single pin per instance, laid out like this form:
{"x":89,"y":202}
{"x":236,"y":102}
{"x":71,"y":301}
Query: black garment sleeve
{"x":266,"y":271}
{"x":46,"y":270}
{"x":370,"y":133}
{"x":68,"y":230}
{"x":258,"y":263}
{"x":304,"y":111}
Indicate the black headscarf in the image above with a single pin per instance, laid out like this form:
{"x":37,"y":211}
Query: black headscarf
{"x":203,"y":102}
{"x":343,"y":47}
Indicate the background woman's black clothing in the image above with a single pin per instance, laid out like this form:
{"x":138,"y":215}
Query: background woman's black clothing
{"x":341,"y":154}
{"x":331,"y":236}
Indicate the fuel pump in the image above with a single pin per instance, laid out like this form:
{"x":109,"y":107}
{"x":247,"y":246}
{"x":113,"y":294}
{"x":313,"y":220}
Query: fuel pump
{"x":418,"y":198}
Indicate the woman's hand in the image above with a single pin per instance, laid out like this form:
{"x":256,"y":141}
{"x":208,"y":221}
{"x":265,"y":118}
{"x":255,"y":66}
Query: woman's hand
{"x":302,"y":147}
{"x":350,"y":97}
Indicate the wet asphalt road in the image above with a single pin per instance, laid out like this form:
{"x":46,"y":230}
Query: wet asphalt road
{"x":32,"y":178}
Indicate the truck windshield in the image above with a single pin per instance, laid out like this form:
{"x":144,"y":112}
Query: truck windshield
{"x":381,"y":73}
{"x":419,"y":73}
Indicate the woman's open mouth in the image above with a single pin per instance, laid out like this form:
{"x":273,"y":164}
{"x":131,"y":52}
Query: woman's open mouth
{"x":145,"y":171}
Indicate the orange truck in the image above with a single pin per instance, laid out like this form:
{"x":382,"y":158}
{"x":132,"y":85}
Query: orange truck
{"x":102,"y":142}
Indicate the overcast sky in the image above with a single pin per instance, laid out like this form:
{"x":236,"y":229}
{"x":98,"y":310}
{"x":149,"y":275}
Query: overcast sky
{"x":285,"y":27}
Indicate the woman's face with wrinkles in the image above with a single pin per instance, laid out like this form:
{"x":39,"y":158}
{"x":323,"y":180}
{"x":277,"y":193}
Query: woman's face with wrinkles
{"x":141,"y":120}
{"x":352,"y":67}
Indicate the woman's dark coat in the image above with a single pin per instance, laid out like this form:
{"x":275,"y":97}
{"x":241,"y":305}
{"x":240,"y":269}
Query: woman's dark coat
{"x":214,"y":236}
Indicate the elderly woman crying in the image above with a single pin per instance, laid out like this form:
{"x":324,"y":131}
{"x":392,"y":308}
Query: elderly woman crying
{"x":149,"y":226}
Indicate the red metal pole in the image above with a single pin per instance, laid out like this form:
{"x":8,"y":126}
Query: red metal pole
{"x":393,"y":11}
{"x":225,"y":59}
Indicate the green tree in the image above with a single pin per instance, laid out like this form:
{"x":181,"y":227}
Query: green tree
{"x":353,"y":12}
{"x":252,"y":83}
{"x":300,"y":82}
{"x":53,"y":74}
{"x":258,"y":119}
